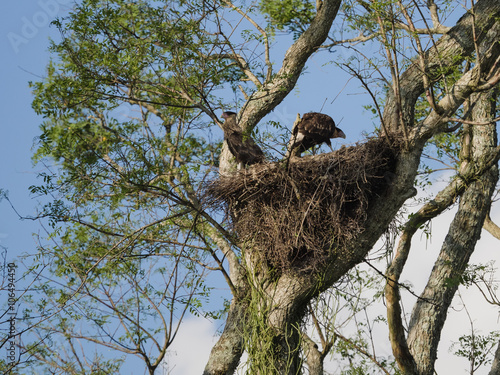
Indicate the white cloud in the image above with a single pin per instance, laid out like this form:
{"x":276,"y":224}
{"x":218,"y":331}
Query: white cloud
{"x":191,"y":348}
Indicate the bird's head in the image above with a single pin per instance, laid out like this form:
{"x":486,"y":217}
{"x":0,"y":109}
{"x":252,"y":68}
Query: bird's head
{"x":227,"y":114}
{"x":338,"y":133}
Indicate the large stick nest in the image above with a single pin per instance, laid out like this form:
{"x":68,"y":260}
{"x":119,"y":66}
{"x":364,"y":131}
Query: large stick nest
{"x":297,"y":213}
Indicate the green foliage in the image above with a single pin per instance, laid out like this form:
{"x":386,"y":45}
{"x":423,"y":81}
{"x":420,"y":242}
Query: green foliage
{"x":477,"y":349}
{"x":156,"y":52}
{"x":480,"y":274}
{"x":291,"y":15}
{"x":129,"y":150}
{"x":357,"y":16}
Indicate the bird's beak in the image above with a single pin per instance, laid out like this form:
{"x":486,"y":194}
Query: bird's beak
{"x":340,"y":134}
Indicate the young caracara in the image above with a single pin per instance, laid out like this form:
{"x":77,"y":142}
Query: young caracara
{"x":242,"y":146}
{"x":313,"y":129}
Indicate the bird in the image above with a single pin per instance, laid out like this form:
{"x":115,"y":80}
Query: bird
{"x":242,"y":146}
{"x":313,"y":129}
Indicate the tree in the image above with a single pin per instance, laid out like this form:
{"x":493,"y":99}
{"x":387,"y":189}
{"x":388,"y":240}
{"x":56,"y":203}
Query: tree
{"x":137,"y":223}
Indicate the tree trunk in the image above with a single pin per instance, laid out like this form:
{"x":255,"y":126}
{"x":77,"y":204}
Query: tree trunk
{"x":314,"y":358}
{"x":277,"y":301}
{"x":429,"y":313}
{"x":495,"y":366}
{"x":226,"y":353}
{"x":274,"y":324}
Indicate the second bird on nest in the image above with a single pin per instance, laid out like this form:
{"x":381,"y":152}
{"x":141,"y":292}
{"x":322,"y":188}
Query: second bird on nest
{"x":313,"y":129}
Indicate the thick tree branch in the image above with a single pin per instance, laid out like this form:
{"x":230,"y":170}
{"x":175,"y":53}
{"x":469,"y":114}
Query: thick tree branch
{"x":444,"y":199}
{"x":226,"y":353}
{"x":461,"y":90}
{"x":491,"y":227}
{"x":495,"y":366}
{"x":314,"y":357}
{"x":397,"y":334}
{"x":275,"y":90}
{"x":430,"y":311}
{"x":433,"y":9}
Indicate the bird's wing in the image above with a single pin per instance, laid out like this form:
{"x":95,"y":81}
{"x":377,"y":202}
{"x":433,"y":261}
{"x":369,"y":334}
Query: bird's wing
{"x":317,"y":125}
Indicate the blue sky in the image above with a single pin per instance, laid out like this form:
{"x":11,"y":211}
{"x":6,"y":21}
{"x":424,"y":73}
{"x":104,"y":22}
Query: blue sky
{"x":24,"y":34}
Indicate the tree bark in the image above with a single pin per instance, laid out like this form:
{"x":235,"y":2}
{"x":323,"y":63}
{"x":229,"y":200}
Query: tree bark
{"x":226,"y":353}
{"x":313,"y":357}
{"x":491,"y":227}
{"x":495,"y":366}
{"x":429,"y":314}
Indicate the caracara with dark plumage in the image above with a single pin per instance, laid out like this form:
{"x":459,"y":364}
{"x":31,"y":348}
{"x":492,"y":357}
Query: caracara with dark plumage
{"x":313,"y":129}
{"x":242,"y":146}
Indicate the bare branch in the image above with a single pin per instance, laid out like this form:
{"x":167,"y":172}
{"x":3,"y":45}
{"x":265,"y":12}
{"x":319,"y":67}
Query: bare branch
{"x":390,"y":49}
{"x":243,"y":65}
{"x":423,"y":31}
{"x":364,"y":352}
{"x":264,"y":35}
{"x":457,"y":42}
{"x":429,"y":94}
{"x":469,"y":122}
{"x":374,"y":99}
{"x":491,"y":227}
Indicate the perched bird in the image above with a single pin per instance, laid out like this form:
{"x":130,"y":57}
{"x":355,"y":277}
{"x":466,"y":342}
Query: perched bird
{"x":242,"y":146}
{"x":313,"y":129}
